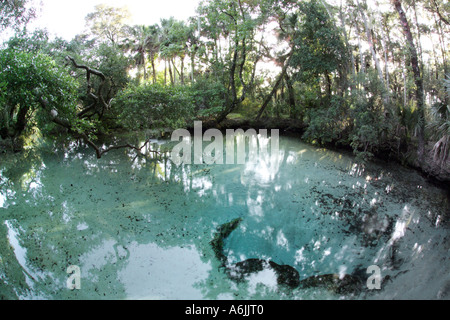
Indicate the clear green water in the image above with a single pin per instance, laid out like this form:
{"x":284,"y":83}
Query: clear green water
{"x":140,"y":228}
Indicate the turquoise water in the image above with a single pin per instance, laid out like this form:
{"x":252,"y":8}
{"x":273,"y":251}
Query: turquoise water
{"x":140,"y":227}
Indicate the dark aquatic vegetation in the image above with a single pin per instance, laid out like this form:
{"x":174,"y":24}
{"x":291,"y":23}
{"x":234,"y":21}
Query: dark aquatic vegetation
{"x":303,"y":224}
{"x":286,"y":275}
{"x":223,"y":231}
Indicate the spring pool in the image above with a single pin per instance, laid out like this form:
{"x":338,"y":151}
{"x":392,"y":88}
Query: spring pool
{"x":140,"y":227}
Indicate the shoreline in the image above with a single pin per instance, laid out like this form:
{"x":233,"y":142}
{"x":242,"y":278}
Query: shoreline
{"x":289,"y":128}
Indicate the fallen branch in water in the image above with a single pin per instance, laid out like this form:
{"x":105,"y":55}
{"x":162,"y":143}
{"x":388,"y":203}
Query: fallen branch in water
{"x":99,"y":152}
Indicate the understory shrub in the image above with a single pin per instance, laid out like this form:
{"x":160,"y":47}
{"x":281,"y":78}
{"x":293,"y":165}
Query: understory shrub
{"x":327,"y":124}
{"x":25,"y":78}
{"x":153,"y":106}
{"x":209,"y":98}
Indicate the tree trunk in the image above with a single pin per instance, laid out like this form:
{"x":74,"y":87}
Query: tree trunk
{"x":100,"y":104}
{"x":182,"y":71}
{"x":275,"y":87}
{"x":232,"y":85}
{"x":419,"y":35}
{"x":80,"y":134}
{"x":291,"y":98}
{"x":144,"y":62}
{"x":405,"y":86}
{"x":192,"y":67}
{"x":348,"y":46}
{"x":153,"y":69}
{"x":417,"y":78}
{"x":362,"y":67}
{"x":175,"y":72}
{"x":328,"y":84}
{"x":170,"y":73}
{"x":371,"y":46}
{"x":237,"y":69}
{"x":165,"y":72}
{"x":441,"y":43}
{"x":446,"y":21}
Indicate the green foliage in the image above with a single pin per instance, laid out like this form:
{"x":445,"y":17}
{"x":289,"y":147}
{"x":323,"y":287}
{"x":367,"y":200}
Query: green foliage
{"x":373,"y":123}
{"x":142,"y":41}
{"x":209,"y":97}
{"x":24,"y":77}
{"x":156,"y":105}
{"x":213,"y":66}
{"x":366,"y":129}
{"x":320,"y":50}
{"x":447,"y":85}
{"x":115,"y":65}
{"x":327,"y":123}
{"x":308,"y":94}
{"x":408,"y":118}
{"x":109,"y":60}
{"x":439,"y":126}
{"x":174,"y":36}
{"x":30,"y":42}
{"x":153,"y":105}
{"x":15,"y":13}
{"x":108,"y":23}
{"x":235,"y":23}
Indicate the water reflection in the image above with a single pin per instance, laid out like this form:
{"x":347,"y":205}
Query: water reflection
{"x":140,"y":227}
{"x":156,"y":273}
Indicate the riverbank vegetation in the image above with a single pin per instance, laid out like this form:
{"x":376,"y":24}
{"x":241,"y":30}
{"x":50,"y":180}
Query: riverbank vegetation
{"x":372,"y":76}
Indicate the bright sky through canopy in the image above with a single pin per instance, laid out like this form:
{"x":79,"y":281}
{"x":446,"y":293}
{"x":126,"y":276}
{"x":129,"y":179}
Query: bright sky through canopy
{"x":66,"y":19}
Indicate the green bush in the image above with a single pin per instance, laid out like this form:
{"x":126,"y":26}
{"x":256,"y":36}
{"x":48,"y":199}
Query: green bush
{"x":327,"y":124}
{"x":153,"y":106}
{"x":209,"y":98}
{"x":26,"y":77}
{"x":373,"y":124}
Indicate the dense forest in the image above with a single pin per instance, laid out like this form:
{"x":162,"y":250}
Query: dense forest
{"x":368,"y":76}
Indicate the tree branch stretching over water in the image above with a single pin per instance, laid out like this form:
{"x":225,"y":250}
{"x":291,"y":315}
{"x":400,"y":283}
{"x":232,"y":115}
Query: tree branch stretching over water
{"x":79,"y":134}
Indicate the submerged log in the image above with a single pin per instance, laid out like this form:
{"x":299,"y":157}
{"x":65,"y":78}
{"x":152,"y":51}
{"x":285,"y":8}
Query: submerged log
{"x":223,"y":231}
{"x":341,"y":284}
{"x":286,"y":274}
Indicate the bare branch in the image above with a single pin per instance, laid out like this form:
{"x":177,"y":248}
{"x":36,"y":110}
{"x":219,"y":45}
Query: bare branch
{"x":98,"y":98}
{"x":439,"y":13}
{"x":276,"y":85}
{"x":99,"y":152}
{"x":88,"y":69}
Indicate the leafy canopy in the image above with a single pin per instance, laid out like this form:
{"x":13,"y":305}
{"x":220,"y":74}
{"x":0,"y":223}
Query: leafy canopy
{"x":319,"y":47}
{"x":26,"y":77}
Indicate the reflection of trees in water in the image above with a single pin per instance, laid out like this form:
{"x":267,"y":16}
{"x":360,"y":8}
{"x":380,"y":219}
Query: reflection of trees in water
{"x":65,"y":207}
{"x":132,"y":205}
{"x":12,"y":279}
{"x":48,"y":217}
{"x":59,"y":219}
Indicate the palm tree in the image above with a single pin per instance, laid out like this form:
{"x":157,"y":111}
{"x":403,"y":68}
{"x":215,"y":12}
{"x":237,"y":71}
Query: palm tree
{"x":164,"y":40}
{"x":143,"y":42}
{"x":152,"y":46}
{"x":440,"y":128}
{"x":136,"y":43}
{"x":173,"y":44}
